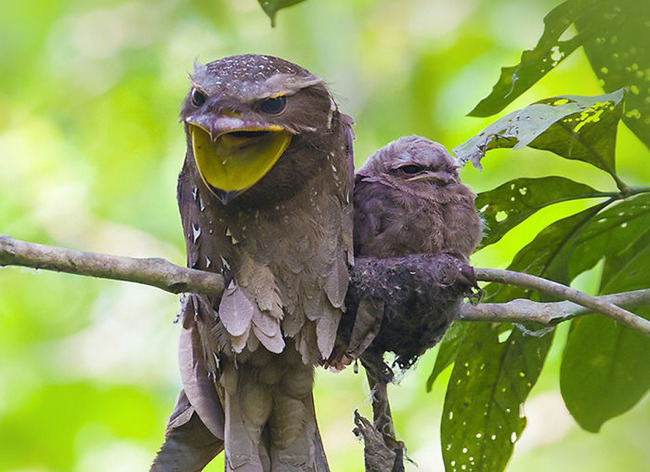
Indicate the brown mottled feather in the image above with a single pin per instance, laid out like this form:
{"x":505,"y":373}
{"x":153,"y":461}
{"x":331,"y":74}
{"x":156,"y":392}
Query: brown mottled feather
{"x":189,"y":446}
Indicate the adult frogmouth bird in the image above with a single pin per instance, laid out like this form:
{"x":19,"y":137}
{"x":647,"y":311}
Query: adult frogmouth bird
{"x":265,"y":199}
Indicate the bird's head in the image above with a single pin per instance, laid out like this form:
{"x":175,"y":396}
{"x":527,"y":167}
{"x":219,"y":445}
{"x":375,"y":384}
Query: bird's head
{"x":412,"y":162}
{"x":244,"y":113}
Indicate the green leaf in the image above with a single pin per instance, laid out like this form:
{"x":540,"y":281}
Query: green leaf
{"x":506,"y":206}
{"x":615,"y":37}
{"x":447,"y":350}
{"x":574,"y":127}
{"x":607,"y":236}
{"x":620,"y":56}
{"x":605,"y":369}
{"x":535,"y":63}
{"x":271,"y":7}
{"x":477,"y":422}
{"x":548,"y":255}
{"x":491,"y":379}
{"x":629,"y":269}
{"x":606,"y":366}
{"x":483,"y":414}
{"x":611,"y":235}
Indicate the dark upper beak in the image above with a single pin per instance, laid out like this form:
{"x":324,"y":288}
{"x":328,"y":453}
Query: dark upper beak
{"x":217,"y":124}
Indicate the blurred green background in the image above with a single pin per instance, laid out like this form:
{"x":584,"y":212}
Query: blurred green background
{"x":89,"y":152}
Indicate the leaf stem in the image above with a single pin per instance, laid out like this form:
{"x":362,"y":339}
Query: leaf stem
{"x":622,"y":186}
{"x":638,"y":190}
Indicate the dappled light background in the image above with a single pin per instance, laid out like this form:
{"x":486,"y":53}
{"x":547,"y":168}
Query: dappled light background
{"x":90,"y":148}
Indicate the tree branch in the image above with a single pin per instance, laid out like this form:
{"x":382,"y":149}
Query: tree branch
{"x":176,"y":279}
{"x":550,"y":313}
{"x":153,"y":271}
{"x":563,"y":292}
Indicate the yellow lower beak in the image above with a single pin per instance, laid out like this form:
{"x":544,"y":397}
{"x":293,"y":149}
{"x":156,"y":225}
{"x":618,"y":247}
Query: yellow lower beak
{"x":236,"y":160}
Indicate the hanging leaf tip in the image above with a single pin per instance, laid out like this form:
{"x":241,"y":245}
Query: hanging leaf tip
{"x":271,"y":7}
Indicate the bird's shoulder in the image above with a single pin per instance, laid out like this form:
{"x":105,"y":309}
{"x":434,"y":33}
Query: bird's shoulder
{"x":372,"y":195}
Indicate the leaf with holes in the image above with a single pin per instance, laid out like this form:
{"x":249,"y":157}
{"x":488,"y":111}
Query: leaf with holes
{"x":483,"y":415}
{"x":506,"y":206}
{"x":616,"y":38}
{"x":620,"y":56}
{"x":536,"y":63}
{"x":271,"y":7}
{"x":491,"y":379}
{"x":574,"y":127}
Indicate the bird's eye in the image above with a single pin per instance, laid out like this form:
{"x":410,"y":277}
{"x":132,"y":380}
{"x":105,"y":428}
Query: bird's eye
{"x":411,"y":169}
{"x":198,"y":99}
{"x":274,"y":105}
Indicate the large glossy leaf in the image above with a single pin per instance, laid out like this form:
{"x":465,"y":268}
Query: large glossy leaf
{"x":506,"y":206}
{"x":535,"y":63}
{"x":533,"y":194}
{"x":483,"y":414}
{"x":574,"y":127}
{"x":606,"y":366}
{"x":271,"y":7}
{"x":482,"y":417}
{"x":616,"y":39}
{"x":548,"y":255}
{"x":610,"y":236}
{"x":605,"y":369}
{"x":620,"y":55}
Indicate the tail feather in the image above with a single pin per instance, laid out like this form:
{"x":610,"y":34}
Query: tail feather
{"x":189,"y":445}
{"x":305,"y":451}
{"x":270,"y":419}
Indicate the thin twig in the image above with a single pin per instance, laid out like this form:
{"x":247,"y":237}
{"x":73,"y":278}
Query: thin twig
{"x":564,"y":292}
{"x":176,"y":279}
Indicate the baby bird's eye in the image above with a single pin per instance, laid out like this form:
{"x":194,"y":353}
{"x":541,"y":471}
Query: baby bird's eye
{"x":411,"y":169}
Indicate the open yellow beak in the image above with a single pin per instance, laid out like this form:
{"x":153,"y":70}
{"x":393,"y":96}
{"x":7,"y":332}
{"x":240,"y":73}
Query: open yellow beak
{"x":236,"y":159}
